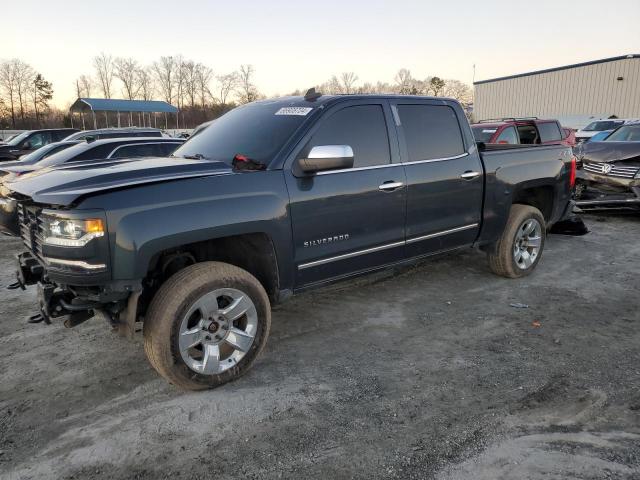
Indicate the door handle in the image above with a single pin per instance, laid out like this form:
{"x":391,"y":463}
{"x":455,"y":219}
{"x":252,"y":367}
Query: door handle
{"x":386,"y":186}
{"x":470,"y":175}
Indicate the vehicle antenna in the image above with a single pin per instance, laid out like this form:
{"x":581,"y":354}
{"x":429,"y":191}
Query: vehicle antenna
{"x":312,"y":95}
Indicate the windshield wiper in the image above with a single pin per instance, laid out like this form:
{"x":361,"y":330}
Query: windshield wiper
{"x":195,"y":156}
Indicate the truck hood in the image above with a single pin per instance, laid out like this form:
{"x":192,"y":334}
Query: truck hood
{"x":608,"y":152}
{"x":64,"y":185}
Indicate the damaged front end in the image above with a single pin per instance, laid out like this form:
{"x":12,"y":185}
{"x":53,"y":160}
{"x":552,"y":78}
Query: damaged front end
{"x":609,"y":177}
{"x":68,"y":261}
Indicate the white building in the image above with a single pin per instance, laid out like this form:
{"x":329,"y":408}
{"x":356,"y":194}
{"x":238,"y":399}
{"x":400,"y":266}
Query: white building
{"x":573,"y":93}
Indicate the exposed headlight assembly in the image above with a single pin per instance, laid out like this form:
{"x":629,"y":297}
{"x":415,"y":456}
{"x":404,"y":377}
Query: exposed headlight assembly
{"x":68,"y":232}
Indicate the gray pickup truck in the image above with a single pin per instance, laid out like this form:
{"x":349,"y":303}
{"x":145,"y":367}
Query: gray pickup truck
{"x":274,"y":198}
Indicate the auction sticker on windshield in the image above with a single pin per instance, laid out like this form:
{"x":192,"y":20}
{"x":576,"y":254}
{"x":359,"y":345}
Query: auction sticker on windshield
{"x":294,"y":111}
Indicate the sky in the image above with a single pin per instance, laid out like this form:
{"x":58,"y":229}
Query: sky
{"x":294,"y":45}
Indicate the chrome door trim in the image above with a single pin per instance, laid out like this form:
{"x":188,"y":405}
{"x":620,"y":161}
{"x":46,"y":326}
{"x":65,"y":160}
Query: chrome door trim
{"x":444,"y":232}
{"x":431,"y":160}
{"x":357,"y":169}
{"x":344,"y":256}
{"x":387,"y":165}
{"x":322,"y":261}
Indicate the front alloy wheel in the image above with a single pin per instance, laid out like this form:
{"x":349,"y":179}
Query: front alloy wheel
{"x":218,"y":331}
{"x":206,"y":325}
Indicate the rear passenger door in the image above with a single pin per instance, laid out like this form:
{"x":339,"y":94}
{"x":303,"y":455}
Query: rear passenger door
{"x":444,"y":177}
{"x":349,"y":220}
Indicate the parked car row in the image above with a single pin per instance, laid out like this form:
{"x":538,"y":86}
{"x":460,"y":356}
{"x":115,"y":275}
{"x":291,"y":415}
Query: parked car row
{"x":32,"y":140}
{"x":271,"y":199}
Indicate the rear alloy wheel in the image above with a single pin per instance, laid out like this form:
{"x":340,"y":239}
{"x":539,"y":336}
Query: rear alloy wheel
{"x":206,"y":325}
{"x":519,"y":248}
{"x":527,"y":243}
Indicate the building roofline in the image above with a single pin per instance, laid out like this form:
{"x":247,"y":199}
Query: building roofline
{"x":555,"y":69}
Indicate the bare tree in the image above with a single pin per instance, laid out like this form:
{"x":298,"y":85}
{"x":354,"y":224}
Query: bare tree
{"x":165,"y":71}
{"x":406,"y":84}
{"x":145,"y":81}
{"x":85,"y":85}
{"x":190,"y":80}
{"x":24,"y":76}
{"x":348,"y":81}
{"x":204,"y":75}
{"x":458,"y":90}
{"x":8,"y":80}
{"x":126,"y":70}
{"x":247,"y":91}
{"x":104,"y":66}
{"x":226,"y":84}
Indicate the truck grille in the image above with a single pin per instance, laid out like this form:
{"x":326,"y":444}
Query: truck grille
{"x":611,"y":170}
{"x":31,"y":229}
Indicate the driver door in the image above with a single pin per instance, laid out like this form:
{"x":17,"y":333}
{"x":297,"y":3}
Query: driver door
{"x":349,"y":220}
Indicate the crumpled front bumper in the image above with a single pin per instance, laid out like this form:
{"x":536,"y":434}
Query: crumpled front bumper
{"x":601,"y":191}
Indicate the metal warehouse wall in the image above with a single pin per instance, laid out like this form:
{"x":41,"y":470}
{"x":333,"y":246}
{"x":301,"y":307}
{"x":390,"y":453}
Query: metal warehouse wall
{"x":581,"y":90}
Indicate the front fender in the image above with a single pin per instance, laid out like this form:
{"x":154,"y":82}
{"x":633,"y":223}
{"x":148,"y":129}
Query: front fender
{"x":144,"y":221}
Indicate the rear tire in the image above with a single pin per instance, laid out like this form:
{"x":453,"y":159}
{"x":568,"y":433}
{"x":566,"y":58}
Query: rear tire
{"x":519,"y":248}
{"x":206,"y":325}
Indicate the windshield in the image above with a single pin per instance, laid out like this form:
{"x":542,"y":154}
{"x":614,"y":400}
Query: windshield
{"x":257,"y":131}
{"x":628,"y":133}
{"x":602,"y":125}
{"x":483,"y":134}
{"x":15,"y":141}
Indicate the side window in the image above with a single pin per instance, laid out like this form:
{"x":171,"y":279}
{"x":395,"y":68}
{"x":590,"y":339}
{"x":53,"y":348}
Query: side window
{"x":508,"y":136}
{"x":95,"y":153}
{"x":549,"y":132}
{"x":528,"y":135}
{"x":166,"y":149}
{"x":61,"y":134}
{"x":54,"y":150}
{"x":139,"y":150}
{"x":431,"y":131}
{"x":361,"y":127}
{"x":39,"y":139}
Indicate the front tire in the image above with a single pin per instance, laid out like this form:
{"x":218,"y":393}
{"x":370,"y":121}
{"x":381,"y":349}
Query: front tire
{"x":206,"y":325}
{"x":519,"y":248}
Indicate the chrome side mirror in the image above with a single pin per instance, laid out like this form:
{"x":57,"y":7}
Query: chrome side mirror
{"x":327,"y":157}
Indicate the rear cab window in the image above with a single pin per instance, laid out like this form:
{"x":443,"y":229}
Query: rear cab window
{"x":431,"y":132}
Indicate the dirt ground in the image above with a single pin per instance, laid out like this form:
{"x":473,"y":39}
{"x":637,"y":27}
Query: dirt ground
{"x":429,"y":373}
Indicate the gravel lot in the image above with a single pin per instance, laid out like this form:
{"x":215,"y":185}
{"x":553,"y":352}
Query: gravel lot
{"x":426,"y":374}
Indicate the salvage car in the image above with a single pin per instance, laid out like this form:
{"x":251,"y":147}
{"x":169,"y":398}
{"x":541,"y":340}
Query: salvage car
{"x":609,"y":176}
{"x":30,"y":141}
{"x":274,"y":198}
{"x":584,"y":134}
{"x":79,"y":152}
{"x":40,"y":154}
{"x":525,"y":131}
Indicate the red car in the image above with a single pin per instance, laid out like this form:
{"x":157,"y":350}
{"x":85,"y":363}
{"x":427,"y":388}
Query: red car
{"x":526,"y":131}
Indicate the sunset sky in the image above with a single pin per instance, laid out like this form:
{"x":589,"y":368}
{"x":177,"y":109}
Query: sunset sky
{"x":295,"y":44}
